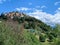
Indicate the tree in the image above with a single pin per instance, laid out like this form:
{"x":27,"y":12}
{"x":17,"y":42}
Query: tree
{"x":3,"y":16}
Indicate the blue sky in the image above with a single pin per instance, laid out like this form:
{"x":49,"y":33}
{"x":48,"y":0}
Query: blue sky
{"x":46,"y":10}
{"x":48,"y":6}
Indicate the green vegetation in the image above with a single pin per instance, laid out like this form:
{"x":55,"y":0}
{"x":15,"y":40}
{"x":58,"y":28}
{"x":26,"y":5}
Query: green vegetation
{"x":27,"y":31}
{"x":9,"y":36}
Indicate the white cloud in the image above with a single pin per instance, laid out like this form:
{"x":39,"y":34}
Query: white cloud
{"x":46,"y":17}
{"x":58,"y":10}
{"x":23,"y":9}
{"x":43,"y":6}
{"x":56,"y":3}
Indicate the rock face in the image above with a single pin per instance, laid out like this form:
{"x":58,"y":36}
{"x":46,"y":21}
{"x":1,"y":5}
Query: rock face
{"x":12,"y":14}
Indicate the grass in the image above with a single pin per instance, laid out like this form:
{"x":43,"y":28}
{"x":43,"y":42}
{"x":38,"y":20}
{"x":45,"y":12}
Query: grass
{"x":12,"y":34}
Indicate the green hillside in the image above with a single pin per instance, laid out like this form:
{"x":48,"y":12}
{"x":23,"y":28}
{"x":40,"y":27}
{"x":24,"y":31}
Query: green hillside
{"x":20,"y":29}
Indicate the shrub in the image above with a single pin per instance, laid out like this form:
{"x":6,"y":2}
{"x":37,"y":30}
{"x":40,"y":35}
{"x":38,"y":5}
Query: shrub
{"x":26,"y":26}
{"x":50,"y":38}
{"x":21,"y":19}
{"x":42,"y":38}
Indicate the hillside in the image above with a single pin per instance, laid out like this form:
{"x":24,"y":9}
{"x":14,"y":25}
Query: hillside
{"x":20,"y":29}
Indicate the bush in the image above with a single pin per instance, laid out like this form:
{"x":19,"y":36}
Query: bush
{"x":50,"y":38}
{"x":21,"y":19}
{"x":54,"y":34}
{"x":26,"y":26}
{"x":3,"y":16}
{"x":32,"y":25}
{"x":42,"y":38}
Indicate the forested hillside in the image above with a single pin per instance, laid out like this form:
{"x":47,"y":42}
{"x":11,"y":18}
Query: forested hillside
{"x":20,"y":29}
